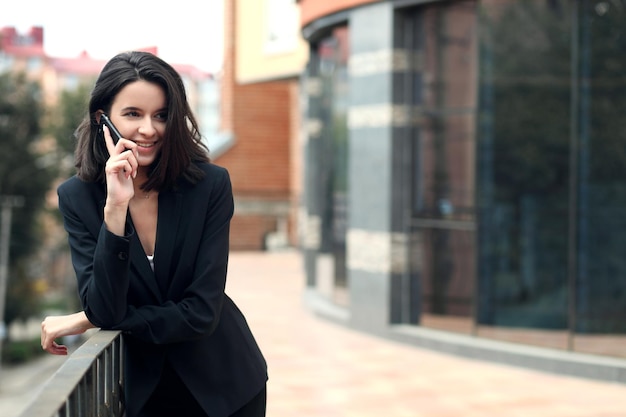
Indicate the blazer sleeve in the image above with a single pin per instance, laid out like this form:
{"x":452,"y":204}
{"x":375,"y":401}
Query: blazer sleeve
{"x":99,"y":257}
{"x":197,"y":314}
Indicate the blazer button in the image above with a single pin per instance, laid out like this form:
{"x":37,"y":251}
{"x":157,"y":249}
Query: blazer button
{"x":122,"y":256}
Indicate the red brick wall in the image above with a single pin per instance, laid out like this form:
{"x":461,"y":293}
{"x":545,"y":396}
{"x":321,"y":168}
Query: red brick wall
{"x":248,"y":232}
{"x":260,"y":118}
{"x":259,"y":160}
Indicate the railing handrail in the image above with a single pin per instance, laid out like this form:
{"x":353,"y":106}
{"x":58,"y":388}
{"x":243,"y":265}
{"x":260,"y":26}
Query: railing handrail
{"x":89,"y":383}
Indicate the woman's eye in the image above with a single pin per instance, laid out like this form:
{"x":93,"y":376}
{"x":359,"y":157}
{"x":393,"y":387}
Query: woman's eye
{"x":162,"y":116}
{"x":132,"y":114}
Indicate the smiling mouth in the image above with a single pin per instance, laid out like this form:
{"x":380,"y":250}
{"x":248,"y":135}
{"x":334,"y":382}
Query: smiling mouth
{"x":146,"y":145}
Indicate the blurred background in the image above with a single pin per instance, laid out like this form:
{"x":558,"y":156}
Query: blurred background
{"x":449,"y":165}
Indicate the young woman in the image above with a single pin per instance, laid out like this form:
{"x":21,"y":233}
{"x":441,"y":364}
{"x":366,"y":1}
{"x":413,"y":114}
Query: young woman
{"x":148,"y":227}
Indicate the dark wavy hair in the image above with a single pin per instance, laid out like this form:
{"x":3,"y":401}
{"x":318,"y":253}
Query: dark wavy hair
{"x":182,"y":146}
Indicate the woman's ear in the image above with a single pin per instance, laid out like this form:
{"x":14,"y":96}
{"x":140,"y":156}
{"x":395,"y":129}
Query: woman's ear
{"x":98,"y":114}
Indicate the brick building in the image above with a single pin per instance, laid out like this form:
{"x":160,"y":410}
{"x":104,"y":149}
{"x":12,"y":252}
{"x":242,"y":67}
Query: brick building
{"x":260,"y":111}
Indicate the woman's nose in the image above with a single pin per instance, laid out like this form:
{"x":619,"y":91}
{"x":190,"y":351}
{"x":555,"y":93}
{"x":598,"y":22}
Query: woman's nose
{"x":146,"y":127}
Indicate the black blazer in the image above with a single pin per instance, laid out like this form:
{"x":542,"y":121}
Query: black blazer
{"x":179,"y":313}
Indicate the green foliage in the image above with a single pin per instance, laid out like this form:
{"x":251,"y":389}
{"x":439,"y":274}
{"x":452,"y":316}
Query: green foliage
{"x":64,"y":119}
{"x":16,"y":352}
{"x":22,"y":300}
{"x":23,"y":172}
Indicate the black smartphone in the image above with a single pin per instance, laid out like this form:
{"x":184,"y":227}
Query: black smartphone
{"x":115,"y":134}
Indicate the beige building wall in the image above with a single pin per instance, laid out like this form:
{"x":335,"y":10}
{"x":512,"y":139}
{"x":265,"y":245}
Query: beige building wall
{"x":269,"y":44}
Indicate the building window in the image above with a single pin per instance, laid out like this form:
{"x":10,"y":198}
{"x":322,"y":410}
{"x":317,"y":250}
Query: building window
{"x":551,"y":177}
{"x":34,"y":63}
{"x":437,"y":87}
{"x":208,"y":112}
{"x":6,"y":62}
{"x":328,"y":72}
{"x":282,"y":30}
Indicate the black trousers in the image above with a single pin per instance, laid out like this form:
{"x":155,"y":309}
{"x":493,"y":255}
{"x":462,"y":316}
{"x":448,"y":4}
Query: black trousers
{"x":171,"y":398}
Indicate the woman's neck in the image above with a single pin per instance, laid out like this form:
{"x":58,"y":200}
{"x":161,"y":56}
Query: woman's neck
{"x":138,"y":181}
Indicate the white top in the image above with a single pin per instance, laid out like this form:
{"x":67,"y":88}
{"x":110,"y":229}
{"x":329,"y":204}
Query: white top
{"x":151,"y":260}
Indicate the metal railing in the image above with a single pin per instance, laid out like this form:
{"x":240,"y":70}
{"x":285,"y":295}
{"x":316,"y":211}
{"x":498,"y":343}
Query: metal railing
{"x":88,"y":384}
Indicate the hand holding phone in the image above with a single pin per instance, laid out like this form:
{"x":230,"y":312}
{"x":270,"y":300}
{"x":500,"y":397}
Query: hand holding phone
{"x":115,"y":134}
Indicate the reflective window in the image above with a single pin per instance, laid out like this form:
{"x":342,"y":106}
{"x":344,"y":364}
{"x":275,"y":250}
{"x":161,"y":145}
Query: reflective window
{"x":439,"y":89}
{"x":523,"y":177}
{"x":599,"y":294}
{"x":329,"y":67}
{"x":518,"y":169}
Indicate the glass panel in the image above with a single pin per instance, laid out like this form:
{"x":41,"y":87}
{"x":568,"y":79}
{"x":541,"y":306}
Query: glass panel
{"x":447,"y":291}
{"x":524,"y":135}
{"x":443,"y":218}
{"x":333,"y":54}
{"x":601,"y":292}
{"x":545,"y":231}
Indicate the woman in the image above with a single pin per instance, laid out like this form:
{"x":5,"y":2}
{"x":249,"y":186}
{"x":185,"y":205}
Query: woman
{"x":148,"y":225}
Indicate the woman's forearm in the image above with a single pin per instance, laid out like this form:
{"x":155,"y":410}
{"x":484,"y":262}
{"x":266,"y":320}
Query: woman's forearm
{"x":54,"y":327}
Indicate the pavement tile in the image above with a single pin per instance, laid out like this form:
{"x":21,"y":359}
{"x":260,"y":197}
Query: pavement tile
{"x":319,"y":368}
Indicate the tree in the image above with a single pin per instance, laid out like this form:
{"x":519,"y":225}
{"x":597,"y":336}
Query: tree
{"x":23,"y":172}
{"x":64,"y":119}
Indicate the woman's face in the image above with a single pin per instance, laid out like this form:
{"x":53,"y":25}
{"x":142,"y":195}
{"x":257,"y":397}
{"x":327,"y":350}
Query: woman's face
{"x":140,"y":114}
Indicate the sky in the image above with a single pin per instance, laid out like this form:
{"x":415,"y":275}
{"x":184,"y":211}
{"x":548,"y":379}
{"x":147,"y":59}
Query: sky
{"x":185,"y":31}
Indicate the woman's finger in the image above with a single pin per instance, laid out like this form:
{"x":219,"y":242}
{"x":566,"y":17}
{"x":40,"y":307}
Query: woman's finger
{"x":132,"y":161}
{"x":121,"y":146}
{"x":108,"y":140}
{"x":125,"y":149}
{"x":124,"y":166}
{"x":57,"y":349}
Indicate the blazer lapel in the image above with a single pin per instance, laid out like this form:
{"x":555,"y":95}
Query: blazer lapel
{"x":170,"y":210}
{"x":138,"y":259}
{"x":139,"y":262}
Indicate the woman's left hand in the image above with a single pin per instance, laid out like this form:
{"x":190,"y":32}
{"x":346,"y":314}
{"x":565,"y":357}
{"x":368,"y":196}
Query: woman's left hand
{"x":54,"y":327}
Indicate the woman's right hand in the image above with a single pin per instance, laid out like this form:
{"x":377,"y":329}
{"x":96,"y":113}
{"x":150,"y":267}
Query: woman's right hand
{"x":54,"y":327}
{"x":120,"y":169}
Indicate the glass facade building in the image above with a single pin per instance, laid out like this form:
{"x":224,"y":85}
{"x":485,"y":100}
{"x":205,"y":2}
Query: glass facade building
{"x":466,"y":169}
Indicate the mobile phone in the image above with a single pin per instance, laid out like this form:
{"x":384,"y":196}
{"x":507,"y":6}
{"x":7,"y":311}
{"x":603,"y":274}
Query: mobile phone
{"x":115,"y":134}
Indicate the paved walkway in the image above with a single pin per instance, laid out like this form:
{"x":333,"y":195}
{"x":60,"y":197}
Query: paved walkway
{"x":20,"y":384}
{"x":321,"y":369}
